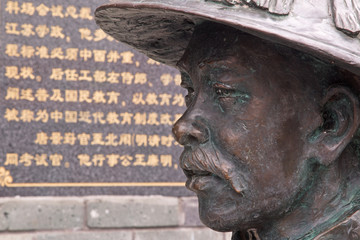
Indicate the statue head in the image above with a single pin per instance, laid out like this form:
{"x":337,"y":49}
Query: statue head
{"x":270,"y":133}
{"x":262,"y":125}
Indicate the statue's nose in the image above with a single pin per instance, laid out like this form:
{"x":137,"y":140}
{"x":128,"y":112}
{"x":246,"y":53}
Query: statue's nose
{"x":188,"y":130}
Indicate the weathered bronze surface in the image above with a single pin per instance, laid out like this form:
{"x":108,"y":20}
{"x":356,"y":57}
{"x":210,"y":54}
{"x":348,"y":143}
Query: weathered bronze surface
{"x":270,"y":134}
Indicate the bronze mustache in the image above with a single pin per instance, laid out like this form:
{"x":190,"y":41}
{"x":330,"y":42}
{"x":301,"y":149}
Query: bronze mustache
{"x":207,"y":160}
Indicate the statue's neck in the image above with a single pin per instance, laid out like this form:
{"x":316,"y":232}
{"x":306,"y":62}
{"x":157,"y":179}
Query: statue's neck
{"x":328,"y":202}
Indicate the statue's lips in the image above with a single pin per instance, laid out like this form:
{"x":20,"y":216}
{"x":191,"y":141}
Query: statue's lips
{"x":199,"y":182}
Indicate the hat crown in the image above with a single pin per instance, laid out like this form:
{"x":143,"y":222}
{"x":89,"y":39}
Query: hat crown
{"x":346,"y":13}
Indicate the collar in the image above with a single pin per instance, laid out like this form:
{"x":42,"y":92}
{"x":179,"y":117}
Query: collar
{"x":349,"y":229}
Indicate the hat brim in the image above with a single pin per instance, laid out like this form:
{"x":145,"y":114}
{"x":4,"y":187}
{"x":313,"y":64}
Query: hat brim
{"x":162,"y":29}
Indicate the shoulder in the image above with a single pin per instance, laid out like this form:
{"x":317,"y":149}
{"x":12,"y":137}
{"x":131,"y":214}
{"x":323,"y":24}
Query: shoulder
{"x":349,"y":229}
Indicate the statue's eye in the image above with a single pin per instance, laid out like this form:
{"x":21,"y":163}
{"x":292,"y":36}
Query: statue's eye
{"x":227,"y":96}
{"x":223,"y":92}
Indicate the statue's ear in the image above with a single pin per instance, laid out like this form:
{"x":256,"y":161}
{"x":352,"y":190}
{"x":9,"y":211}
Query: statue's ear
{"x":340,"y":112}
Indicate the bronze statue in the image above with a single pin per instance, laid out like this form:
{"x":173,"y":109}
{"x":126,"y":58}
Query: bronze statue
{"x":270,"y":134}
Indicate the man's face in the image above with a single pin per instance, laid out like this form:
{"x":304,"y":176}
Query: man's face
{"x":250,"y":112}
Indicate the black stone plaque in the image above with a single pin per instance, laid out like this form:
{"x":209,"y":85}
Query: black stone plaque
{"x":80,"y":113}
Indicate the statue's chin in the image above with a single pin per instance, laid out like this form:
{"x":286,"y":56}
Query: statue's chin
{"x":221,"y":222}
{"x":228,"y":210}
{"x":229,"y":220}
{"x":226,"y":213}
{"x":221,"y":208}
{"x":217,"y":225}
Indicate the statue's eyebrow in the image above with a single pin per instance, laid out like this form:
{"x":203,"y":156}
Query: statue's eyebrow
{"x":213,"y":63}
{"x":221,"y":66}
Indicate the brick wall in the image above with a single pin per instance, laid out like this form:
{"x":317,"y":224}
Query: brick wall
{"x":103,"y":218}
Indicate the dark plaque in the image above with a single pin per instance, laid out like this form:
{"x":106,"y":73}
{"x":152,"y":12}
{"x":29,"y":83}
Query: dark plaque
{"x":79,"y":113}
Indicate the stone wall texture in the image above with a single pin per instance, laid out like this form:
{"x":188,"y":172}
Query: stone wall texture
{"x":103,"y":218}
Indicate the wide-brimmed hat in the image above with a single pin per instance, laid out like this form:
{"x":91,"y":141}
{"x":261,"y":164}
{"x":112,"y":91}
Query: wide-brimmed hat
{"x":162,"y":29}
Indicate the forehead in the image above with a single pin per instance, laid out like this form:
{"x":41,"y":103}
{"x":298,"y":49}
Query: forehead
{"x":212,"y":43}
{"x":228,"y":47}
